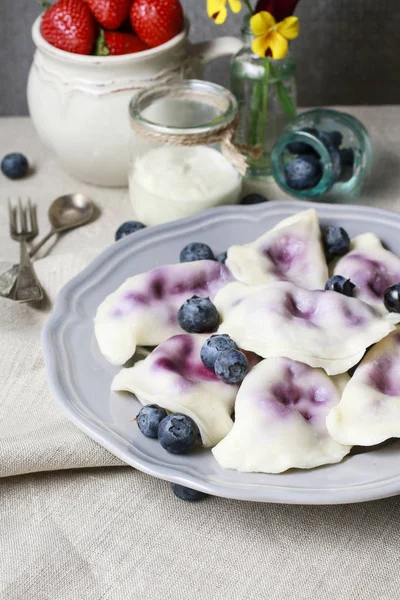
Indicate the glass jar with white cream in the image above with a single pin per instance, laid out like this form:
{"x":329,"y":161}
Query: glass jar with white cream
{"x":182,"y":159}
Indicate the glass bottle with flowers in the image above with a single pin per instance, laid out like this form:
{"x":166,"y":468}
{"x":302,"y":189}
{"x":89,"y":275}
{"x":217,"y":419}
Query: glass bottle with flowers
{"x":262,"y":75}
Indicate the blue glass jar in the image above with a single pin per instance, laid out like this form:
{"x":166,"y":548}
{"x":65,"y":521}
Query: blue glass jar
{"x":343,"y":149}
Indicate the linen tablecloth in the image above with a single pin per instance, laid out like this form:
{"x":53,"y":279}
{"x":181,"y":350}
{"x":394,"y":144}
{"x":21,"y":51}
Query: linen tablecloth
{"x":76,"y":524}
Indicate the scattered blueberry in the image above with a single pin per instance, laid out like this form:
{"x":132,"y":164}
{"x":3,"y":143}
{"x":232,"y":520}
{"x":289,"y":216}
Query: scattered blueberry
{"x":221,"y":258}
{"x":149,"y":419}
{"x":303,"y":147}
{"x":15,"y":165}
{"x":336,"y":242}
{"x":185,"y":493}
{"x":347,"y":157}
{"x":178,"y":433}
{"x":391,"y":298}
{"x":303,"y":172}
{"x":127,"y":228}
{"x":214,"y":346}
{"x":198,"y":315}
{"x":338,"y":283}
{"x":196,"y":251}
{"x":231,"y":366}
{"x":253,"y":199}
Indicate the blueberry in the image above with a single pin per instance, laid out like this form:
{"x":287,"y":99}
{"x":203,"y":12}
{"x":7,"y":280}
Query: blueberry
{"x":214,"y":346}
{"x":231,"y":366}
{"x":330,"y":138}
{"x":336,"y":242}
{"x":178,"y":433}
{"x":127,"y":228}
{"x":253,"y":199}
{"x":185,"y":493}
{"x":347,"y":157}
{"x":221,"y":258}
{"x":149,"y":419}
{"x":338,"y":283}
{"x":303,"y":147}
{"x":303,"y":172}
{"x":391,"y":298}
{"x":14,"y":165}
{"x":198,"y":315}
{"x":196,"y":251}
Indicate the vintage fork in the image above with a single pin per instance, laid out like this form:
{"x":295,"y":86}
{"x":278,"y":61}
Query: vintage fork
{"x":27,"y":287}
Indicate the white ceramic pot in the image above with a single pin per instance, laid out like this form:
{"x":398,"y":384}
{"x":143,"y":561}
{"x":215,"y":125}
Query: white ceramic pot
{"x":79,"y":104}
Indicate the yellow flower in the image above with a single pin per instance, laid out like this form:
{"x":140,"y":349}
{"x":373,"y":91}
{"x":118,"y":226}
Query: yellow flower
{"x":216,"y":9}
{"x":272,"y":35}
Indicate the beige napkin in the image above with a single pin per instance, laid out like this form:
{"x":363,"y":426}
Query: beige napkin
{"x":35,"y":433}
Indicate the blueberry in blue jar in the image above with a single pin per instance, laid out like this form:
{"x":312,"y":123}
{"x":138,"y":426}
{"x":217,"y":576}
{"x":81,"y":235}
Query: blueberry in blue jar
{"x":231,"y":366}
{"x":303,"y":147}
{"x":187,"y":494}
{"x":214,"y":346}
{"x":198,"y":315}
{"x":149,"y":419}
{"x":196,"y":251}
{"x":15,"y":165}
{"x":127,"y":228}
{"x":340,"y":284}
{"x":303,"y":172}
{"x":178,"y":433}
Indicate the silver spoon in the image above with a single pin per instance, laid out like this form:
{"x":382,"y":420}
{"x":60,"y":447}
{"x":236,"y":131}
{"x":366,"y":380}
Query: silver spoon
{"x":66,"y":212}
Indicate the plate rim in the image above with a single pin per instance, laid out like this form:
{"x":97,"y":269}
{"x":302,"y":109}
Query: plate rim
{"x":59,"y":390}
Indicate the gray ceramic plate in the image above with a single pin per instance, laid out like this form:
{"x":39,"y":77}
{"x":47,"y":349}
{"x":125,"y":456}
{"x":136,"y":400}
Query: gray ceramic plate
{"x":80,"y":377}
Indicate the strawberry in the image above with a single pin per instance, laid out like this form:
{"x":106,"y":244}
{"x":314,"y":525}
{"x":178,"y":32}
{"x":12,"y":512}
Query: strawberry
{"x":110,"y":13}
{"x":156,"y":21}
{"x":116,"y":42}
{"x":70,"y":26}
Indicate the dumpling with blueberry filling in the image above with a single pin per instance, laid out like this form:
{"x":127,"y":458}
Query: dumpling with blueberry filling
{"x":370,"y":267}
{"x":319,"y":328}
{"x":369,"y":411}
{"x":280,"y":414}
{"x":291,"y":251}
{"x":174,"y":377}
{"x":144,"y":309}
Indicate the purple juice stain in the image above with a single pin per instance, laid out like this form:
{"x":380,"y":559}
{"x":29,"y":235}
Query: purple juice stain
{"x":179,"y":357}
{"x":296,"y":310}
{"x":371,"y":276}
{"x":352,"y":319}
{"x":284,"y":252}
{"x":382,"y":376}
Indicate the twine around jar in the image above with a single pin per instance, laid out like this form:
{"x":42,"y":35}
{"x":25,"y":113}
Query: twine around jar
{"x":223,"y":135}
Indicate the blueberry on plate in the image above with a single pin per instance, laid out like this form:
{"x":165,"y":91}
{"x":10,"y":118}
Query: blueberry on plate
{"x":253,"y":199}
{"x":149,"y":419}
{"x":391,"y":298}
{"x":338,"y":283}
{"x":231,"y":366}
{"x":15,"y":165}
{"x":336,"y":242}
{"x":185,"y":493}
{"x":198,"y":315}
{"x":127,"y":228}
{"x":303,"y":172}
{"x":196,"y":251}
{"x":303,"y":147}
{"x":214,"y":346}
{"x":178,"y":433}
{"x":221,"y":258}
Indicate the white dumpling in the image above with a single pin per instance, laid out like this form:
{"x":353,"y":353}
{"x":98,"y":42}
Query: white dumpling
{"x":143,"y":310}
{"x":291,"y":251}
{"x":320,"y":328}
{"x":369,"y":412}
{"x":280,"y":414}
{"x":370,"y":267}
{"x":174,"y":377}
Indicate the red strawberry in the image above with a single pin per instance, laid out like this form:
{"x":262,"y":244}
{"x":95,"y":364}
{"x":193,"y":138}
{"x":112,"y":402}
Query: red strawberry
{"x":156,"y":21}
{"x":110,"y":13}
{"x":70,"y":26}
{"x":115,"y":42}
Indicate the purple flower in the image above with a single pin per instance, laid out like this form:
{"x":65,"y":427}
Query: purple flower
{"x":280,"y":9}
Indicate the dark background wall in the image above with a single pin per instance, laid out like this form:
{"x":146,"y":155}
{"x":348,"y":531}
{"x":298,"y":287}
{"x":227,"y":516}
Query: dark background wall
{"x":348,"y":51}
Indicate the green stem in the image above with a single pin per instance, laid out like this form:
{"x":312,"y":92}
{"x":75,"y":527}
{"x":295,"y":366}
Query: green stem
{"x":264,"y":101}
{"x":254,"y":113}
{"x":247,"y":3}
